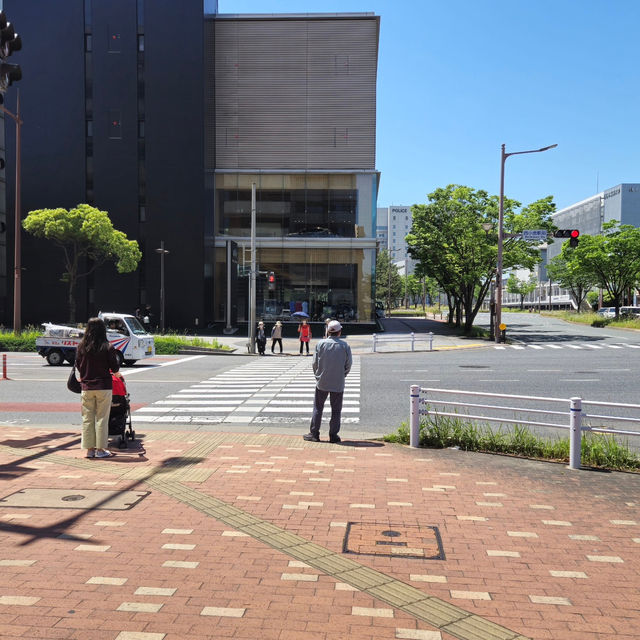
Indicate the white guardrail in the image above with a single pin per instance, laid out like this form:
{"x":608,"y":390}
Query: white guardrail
{"x":423,"y":404}
{"x":412,"y":338}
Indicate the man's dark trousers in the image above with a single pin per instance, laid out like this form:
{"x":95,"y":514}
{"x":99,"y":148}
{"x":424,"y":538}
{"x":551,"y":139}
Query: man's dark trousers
{"x":336,"y":410}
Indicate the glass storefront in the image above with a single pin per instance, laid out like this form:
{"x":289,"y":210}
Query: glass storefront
{"x":313,"y":234}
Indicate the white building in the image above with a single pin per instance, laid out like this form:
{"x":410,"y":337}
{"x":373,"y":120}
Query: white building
{"x":393,"y":225}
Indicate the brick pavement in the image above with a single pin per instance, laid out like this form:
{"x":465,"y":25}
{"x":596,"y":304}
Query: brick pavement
{"x":246,"y":536}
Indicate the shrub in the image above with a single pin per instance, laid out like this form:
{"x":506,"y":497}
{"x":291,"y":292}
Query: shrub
{"x":440,"y":432}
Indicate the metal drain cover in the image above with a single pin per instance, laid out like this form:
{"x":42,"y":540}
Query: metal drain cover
{"x":404,"y":541}
{"x":73,"y":499}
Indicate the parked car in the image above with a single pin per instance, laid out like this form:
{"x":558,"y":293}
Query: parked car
{"x":632,"y":312}
{"x":607,"y":312}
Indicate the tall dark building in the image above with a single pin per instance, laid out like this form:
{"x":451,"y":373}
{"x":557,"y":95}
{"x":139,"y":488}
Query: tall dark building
{"x":164,"y":114}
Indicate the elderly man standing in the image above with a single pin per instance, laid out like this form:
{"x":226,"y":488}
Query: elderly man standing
{"x":331,"y":364}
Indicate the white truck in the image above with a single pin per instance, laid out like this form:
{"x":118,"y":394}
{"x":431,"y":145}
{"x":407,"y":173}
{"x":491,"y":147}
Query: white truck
{"x":124,"y":332}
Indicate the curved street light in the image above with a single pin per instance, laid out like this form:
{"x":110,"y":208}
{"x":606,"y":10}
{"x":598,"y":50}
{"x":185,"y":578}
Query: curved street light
{"x":503,"y":157}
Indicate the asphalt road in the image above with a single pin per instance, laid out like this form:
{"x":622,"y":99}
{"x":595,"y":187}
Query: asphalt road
{"x":547,"y":357}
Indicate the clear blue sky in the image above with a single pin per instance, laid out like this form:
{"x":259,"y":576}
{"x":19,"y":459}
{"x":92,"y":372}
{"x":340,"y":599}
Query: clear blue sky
{"x":457,"y":78}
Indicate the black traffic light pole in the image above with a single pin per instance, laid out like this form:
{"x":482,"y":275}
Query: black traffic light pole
{"x":17,"y":282}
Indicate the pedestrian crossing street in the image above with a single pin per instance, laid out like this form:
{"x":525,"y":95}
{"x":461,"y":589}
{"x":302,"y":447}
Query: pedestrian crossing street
{"x":580,"y":345}
{"x":269,"y":390}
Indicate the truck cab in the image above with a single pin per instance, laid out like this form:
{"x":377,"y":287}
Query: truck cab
{"x":124,"y":332}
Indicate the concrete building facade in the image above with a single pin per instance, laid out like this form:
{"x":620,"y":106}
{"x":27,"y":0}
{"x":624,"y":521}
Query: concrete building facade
{"x":164,"y":114}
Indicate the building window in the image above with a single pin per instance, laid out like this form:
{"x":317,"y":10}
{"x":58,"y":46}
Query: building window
{"x":141,"y":42}
{"x":142,"y":213}
{"x":88,"y":42}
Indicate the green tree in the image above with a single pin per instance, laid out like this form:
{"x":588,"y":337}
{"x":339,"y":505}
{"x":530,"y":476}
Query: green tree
{"x":569,"y":275}
{"x":387,"y":274}
{"x":611,"y":259}
{"x":521,"y":287}
{"x":83,"y":232}
{"x":449,"y":240}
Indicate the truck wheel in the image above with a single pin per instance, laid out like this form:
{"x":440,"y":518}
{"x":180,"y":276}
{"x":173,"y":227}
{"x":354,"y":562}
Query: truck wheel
{"x":120,"y":357}
{"x":55,"y":358}
{"x":130,"y":363}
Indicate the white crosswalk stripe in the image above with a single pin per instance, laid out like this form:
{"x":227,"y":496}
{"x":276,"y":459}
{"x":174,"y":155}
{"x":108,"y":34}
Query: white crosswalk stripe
{"x":582,"y":345}
{"x":270,"y":390}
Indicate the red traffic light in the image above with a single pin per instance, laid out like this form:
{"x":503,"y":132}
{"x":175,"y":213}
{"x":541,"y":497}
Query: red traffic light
{"x":272,"y":278}
{"x":574,"y":233}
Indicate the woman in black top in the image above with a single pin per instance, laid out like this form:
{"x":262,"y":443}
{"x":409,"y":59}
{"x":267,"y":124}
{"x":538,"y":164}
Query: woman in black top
{"x":95,"y":360}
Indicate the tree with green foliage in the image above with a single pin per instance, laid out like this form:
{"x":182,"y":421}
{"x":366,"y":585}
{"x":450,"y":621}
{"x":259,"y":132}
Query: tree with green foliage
{"x":612,"y":259}
{"x":453,"y":247}
{"x":521,"y":287}
{"x":566,"y":272}
{"x":83,"y":232}
{"x":387,"y":274}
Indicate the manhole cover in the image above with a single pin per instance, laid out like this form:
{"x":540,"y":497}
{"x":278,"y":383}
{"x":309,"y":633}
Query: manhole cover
{"x":81,"y":499}
{"x":405,"y":541}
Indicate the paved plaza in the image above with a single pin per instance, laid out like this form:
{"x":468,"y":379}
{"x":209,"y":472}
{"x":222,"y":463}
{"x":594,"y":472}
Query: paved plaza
{"x":232,"y":535}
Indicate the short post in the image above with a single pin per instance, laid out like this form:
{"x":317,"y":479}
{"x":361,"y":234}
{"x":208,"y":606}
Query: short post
{"x":575,"y":435}
{"x":4,"y":366}
{"x":414,"y":417}
{"x":413,"y":339}
{"x":374,"y":342}
{"x":430,"y":340}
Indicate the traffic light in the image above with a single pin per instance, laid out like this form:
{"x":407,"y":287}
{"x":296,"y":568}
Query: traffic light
{"x":10,"y":41}
{"x":271,"y":279}
{"x":572,"y":234}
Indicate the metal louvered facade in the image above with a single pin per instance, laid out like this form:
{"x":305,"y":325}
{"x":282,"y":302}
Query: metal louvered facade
{"x":292,"y":93}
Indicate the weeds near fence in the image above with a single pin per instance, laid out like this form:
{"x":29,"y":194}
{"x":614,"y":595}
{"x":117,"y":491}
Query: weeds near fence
{"x":440,"y":432}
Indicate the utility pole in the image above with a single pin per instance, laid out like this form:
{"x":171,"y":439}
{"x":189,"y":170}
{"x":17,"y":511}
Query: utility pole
{"x":252,"y":278}
{"x":17,"y":250}
{"x":10,"y":41}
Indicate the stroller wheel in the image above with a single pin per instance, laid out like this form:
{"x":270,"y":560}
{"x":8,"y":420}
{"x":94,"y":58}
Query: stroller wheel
{"x":122,"y":442}
{"x":132,"y":435}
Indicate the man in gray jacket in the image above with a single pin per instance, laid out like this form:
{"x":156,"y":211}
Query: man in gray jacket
{"x":331,"y":364}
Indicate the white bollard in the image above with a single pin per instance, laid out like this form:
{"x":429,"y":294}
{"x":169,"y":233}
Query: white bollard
{"x":413,"y":339}
{"x":414,"y":417}
{"x":374,"y":343}
{"x":575,"y":433}
{"x":430,"y":340}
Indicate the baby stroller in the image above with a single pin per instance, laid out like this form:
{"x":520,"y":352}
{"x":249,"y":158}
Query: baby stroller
{"x":120,"y":415}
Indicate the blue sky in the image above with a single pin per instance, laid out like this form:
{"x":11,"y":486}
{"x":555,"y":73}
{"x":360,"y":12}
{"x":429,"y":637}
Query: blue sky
{"x":457,"y":78}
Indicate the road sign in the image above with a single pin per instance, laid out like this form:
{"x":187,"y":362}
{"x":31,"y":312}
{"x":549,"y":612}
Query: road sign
{"x":534,"y":235}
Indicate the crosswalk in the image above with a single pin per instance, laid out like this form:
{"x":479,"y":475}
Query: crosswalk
{"x":270,"y":390}
{"x":581,"y":345}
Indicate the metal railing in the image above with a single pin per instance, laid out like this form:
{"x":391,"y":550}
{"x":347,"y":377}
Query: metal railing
{"x":421,"y":405}
{"x":413,"y":338}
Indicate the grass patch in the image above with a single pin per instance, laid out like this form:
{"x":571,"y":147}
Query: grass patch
{"x":170,"y":345}
{"x":25,"y":341}
{"x":595,"y":320}
{"x":165,"y":345}
{"x":440,"y":432}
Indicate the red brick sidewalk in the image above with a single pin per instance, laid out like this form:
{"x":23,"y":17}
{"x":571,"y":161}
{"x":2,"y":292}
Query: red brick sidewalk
{"x":271,"y":537}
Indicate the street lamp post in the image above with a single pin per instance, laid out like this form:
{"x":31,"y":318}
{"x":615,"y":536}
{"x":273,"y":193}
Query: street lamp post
{"x":163,"y":252}
{"x":503,"y":157}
